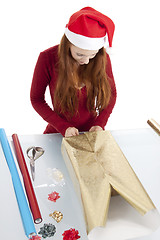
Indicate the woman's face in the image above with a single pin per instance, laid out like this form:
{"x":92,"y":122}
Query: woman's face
{"x":82,"y":56}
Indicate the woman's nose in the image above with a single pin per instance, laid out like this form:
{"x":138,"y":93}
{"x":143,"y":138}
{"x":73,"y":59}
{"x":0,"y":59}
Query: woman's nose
{"x":86,"y":60}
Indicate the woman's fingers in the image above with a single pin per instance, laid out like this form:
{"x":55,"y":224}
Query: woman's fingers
{"x":71,"y":131}
{"x":95,"y":128}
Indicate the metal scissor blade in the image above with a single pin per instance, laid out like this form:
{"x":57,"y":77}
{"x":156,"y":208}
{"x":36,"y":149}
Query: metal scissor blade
{"x":34,"y":153}
{"x":32,"y":167}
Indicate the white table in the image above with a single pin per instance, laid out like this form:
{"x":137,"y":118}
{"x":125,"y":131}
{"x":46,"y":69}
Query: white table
{"x":142,"y":149}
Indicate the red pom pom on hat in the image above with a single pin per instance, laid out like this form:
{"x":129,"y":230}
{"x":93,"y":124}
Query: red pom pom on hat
{"x":89,"y":29}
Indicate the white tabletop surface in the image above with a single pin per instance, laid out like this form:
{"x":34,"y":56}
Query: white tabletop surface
{"x":142,"y":149}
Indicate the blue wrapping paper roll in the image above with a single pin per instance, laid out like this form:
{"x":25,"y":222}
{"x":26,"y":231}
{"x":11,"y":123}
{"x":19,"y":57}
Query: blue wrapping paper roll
{"x":26,"y":217}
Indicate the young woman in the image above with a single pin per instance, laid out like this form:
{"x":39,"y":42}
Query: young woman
{"x":79,"y":75}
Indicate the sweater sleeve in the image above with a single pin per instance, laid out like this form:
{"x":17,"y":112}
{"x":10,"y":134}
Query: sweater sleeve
{"x":41,"y":79}
{"x":102,"y":119}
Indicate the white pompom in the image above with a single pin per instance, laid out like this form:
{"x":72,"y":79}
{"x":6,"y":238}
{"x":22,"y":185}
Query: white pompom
{"x":110,"y":50}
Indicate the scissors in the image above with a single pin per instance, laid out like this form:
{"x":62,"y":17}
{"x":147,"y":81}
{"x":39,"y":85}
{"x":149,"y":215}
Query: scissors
{"x":34,"y":153}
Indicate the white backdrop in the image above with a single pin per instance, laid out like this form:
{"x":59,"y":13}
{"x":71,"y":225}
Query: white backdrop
{"x":29,"y":27}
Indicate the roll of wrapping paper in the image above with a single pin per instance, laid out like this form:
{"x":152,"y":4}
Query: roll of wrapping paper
{"x":27,"y":181}
{"x":154,"y":125}
{"x":26,"y":216}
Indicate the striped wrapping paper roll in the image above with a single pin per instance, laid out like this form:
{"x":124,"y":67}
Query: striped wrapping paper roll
{"x":154,"y":125}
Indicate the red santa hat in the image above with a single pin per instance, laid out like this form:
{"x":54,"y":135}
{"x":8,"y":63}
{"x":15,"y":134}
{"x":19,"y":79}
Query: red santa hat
{"x":89,"y":29}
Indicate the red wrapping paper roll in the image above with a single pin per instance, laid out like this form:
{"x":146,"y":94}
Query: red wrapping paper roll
{"x":27,"y":181}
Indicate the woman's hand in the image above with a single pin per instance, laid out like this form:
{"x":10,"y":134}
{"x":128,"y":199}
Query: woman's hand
{"x":95,"y":129}
{"x":71,"y":131}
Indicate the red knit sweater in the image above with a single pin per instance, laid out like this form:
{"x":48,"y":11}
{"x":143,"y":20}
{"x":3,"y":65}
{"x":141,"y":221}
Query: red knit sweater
{"x":45,"y":75}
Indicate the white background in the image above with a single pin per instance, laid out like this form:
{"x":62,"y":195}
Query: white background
{"x":31,"y":26}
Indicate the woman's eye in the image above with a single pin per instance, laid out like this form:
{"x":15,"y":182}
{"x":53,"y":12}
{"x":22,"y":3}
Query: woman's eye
{"x":79,"y":55}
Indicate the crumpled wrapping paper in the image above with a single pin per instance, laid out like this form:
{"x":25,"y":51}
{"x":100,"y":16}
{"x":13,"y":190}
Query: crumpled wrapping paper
{"x":96,"y":163}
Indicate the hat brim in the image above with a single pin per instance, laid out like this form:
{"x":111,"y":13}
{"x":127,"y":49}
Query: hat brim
{"x":84,"y":42}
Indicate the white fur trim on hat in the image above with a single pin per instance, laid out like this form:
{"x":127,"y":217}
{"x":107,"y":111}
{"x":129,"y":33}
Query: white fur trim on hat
{"x":84,"y":42}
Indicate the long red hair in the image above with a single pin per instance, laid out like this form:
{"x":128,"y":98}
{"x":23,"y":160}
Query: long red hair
{"x":71,"y":75}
